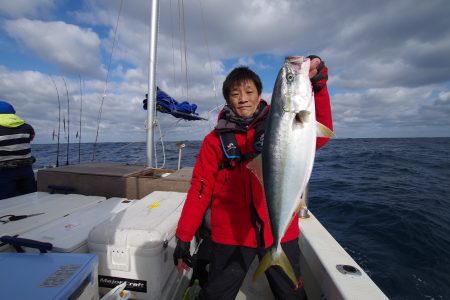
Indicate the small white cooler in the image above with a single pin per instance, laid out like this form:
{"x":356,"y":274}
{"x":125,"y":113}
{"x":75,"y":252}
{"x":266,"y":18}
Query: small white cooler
{"x":138,"y":247}
{"x":48,"y":207}
{"x":49,"y":276}
{"x":70,"y":233}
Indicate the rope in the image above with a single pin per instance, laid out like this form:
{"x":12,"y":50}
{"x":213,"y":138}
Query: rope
{"x":173,"y":46}
{"x":106,"y":81}
{"x":183,"y":54}
{"x":162,"y":146}
{"x":205,"y":36}
{"x":180,"y":43}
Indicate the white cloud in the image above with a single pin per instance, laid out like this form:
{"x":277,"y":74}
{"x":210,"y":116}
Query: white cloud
{"x":381,"y":112}
{"x":72,"y":49}
{"x":444,"y":96}
{"x":20,"y":8}
{"x":35,"y":99}
{"x":388,"y":62}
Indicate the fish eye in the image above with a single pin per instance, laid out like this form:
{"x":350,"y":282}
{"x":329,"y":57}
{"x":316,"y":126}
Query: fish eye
{"x":289,"y":76}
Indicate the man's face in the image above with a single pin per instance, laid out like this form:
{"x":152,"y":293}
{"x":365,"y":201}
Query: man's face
{"x":244,"y":98}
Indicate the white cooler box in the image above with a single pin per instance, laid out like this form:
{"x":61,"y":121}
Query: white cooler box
{"x":49,"y":276}
{"x":47,"y":207}
{"x":70,"y":233}
{"x":13,"y":203}
{"x":138,"y":247}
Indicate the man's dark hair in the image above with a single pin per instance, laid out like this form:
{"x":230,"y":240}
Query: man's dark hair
{"x":237,"y":76}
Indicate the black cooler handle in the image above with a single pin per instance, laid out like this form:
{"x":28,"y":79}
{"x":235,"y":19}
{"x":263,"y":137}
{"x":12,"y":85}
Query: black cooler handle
{"x":18,"y":243}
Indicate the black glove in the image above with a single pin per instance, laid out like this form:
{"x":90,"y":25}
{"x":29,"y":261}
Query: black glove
{"x":182,"y":251}
{"x":320,"y":79}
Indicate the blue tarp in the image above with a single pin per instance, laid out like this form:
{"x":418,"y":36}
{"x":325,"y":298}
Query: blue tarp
{"x":168,"y":105}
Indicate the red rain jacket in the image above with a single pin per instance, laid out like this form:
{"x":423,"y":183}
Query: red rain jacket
{"x":232,"y":193}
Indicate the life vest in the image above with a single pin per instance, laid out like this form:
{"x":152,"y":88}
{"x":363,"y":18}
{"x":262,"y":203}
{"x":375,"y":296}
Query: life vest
{"x":231,"y":149}
{"x":15,"y":142}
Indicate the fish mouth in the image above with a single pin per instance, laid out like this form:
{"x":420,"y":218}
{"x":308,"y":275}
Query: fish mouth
{"x":295,"y":62}
{"x":295,"y":59}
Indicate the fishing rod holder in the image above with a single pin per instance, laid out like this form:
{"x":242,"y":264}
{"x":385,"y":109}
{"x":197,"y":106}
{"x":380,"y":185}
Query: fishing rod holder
{"x":304,"y":213}
{"x":348,"y":270}
{"x":180,"y":146}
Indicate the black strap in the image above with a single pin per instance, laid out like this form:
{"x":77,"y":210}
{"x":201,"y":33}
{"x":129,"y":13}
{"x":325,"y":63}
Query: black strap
{"x":258,"y":225}
{"x":231,"y":149}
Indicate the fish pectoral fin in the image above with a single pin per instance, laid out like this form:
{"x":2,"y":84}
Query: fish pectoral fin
{"x":255,"y":165}
{"x":302,"y":116}
{"x":272,"y":258}
{"x":324,"y":131}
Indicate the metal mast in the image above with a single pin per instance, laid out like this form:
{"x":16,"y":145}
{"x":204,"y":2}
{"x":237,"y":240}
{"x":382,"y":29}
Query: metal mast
{"x":154,"y":15}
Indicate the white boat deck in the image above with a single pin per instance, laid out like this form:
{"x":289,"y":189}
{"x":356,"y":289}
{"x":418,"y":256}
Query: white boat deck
{"x":321,"y":254}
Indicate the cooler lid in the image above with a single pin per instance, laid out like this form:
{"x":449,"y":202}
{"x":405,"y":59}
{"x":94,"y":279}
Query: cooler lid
{"x":146,"y":224}
{"x":71,"y":232}
{"x":48,"y":210}
{"x":11,"y":204}
{"x":53,"y":276}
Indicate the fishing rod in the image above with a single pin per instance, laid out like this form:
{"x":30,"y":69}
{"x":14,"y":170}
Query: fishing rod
{"x":81,"y":111}
{"x":59,"y":122}
{"x":106,"y":80}
{"x":68,"y":116}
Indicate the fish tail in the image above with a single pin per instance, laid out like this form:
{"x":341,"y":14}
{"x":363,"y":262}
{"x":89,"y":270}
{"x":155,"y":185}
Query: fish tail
{"x":276,"y":258}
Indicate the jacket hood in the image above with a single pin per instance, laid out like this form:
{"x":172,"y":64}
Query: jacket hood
{"x":10,"y":120}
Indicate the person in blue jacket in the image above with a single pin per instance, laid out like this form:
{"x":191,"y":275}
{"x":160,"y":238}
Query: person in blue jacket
{"x":16,"y":172}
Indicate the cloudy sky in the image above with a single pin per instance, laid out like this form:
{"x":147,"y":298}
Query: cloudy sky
{"x":389,"y":62}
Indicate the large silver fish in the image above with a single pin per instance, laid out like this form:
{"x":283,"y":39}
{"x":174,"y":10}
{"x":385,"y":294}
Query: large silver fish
{"x":288,"y":153}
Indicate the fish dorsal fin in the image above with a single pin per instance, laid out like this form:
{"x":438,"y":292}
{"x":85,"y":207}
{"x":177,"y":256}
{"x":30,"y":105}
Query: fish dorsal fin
{"x":255,"y":166}
{"x":303,"y":116}
{"x":324,"y":131}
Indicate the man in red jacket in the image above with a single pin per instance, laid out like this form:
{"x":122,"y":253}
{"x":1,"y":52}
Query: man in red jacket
{"x":240,"y":226}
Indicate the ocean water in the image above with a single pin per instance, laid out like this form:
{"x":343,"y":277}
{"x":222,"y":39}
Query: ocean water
{"x":386,"y":201}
